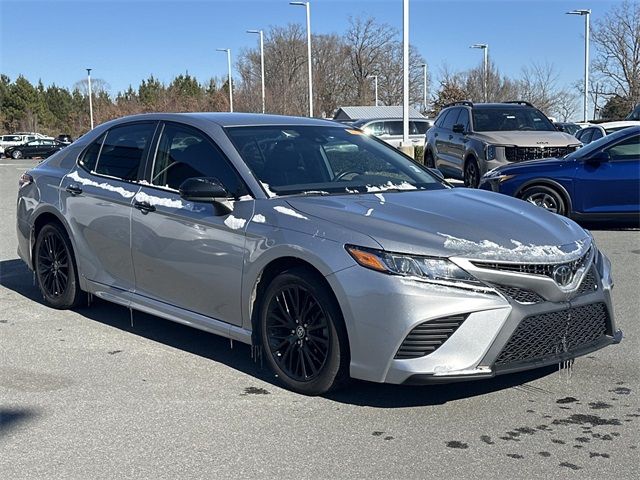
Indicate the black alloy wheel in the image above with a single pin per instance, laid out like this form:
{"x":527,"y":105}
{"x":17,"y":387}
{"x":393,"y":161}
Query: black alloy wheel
{"x":428,"y":160}
{"x":55,"y":268}
{"x":303,"y":333}
{"x":471,"y":174}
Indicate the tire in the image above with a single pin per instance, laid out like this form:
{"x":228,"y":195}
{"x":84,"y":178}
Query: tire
{"x":429,"y":162}
{"x":55,"y":268}
{"x":16,"y":154}
{"x":309,"y":354}
{"x":545,"y":197}
{"x":471,"y":173}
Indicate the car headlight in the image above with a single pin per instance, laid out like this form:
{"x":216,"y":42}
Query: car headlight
{"x":431,"y":269}
{"x":490,"y":152}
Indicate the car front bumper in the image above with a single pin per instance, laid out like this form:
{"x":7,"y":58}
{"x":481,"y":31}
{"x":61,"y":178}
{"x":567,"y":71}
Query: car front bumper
{"x":498,"y":334}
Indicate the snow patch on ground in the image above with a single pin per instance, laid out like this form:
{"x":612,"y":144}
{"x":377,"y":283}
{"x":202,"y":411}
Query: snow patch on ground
{"x":104,"y":186}
{"x":520,"y":252}
{"x":289,"y":212}
{"x":234,"y":223}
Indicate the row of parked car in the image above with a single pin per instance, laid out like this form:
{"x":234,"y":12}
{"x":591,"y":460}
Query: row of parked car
{"x":31,"y":144}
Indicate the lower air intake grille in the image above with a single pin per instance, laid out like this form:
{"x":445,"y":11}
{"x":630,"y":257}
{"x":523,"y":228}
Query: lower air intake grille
{"x":549,"y":334}
{"x":520,"y":295}
{"x":427,"y":337}
{"x":589,"y":283}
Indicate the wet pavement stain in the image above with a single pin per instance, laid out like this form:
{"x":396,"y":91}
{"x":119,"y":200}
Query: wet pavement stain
{"x":582,"y":419}
{"x":457,"y":444}
{"x":514,"y":455}
{"x":388,"y":437}
{"x":621,"y":390}
{"x":377,"y":433}
{"x":596,"y":454}
{"x":599,"y":405}
{"x":582,"y":439}
{"x":569,"y":465}
{"x":567,"y":400}
{"x":544,"y":454}
{"x":113,"y":352}
{"x":487,"y":439}
{"x":558,"y":441}
{"x":255,"y":391}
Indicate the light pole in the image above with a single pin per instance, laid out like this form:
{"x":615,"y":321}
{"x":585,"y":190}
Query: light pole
{"x":405,"y":74}
{"x":424,"y":86}
{"x":375,"y":87}
{"x":228,"y":50}
{"x":90,"y":101}
{"x":306,"y":4}
{"x":586,"y":14}
{"x":261,"y":61}
{"x":485,"y":72}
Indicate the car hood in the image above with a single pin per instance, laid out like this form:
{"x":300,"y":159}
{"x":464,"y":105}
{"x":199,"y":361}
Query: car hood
{"x":454,"y":222}
{"x":528,"y":138}
{"x":542,"y":164}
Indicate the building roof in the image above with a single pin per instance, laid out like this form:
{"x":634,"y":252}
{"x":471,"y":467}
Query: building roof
{"x":359,"y":113}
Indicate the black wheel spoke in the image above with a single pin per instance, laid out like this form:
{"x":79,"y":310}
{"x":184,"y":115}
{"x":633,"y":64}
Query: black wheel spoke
{"x":53,"y":265}
{"x":297,"y":330}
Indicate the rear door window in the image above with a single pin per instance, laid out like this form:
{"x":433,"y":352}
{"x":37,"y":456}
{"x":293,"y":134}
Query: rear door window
{"x":123,"y":150}
{"x":418,"y":128}
{"x":393,"y":127}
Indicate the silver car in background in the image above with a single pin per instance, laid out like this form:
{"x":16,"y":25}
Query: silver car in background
{"x":328,"y":251}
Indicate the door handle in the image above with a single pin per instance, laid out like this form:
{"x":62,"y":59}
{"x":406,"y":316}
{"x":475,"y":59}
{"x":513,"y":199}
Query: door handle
{"x":144,"y":207}
{"x":74,"y":189}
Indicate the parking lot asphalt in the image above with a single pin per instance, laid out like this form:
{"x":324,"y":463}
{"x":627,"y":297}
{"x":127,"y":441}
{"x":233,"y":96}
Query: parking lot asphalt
{"x":88,"y":394}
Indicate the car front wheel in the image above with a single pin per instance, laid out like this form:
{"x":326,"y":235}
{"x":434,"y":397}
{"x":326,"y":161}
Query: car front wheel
{"x":303,"y":333}
{"x":471,"y":173}
{"x":56,"y":269}
{"x":545,"y":197}
{"x":16,"y":154}
{"x":429,"y":160}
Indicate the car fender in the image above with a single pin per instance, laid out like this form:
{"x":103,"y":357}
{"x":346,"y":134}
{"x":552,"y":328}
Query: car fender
{"x":548,"y":182}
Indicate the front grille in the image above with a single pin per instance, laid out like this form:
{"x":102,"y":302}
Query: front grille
{"x":589,"y":283}
{"x":427,"y":337}
{"x":520,"y":154}
{"x":545,"y":269}
{"x":549,"y":334}
{"x":520,"y":295}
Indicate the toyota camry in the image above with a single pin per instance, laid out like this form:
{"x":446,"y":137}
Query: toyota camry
{"x":329,"y":252}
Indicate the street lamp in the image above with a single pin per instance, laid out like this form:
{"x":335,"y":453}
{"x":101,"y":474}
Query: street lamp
{"x":306,"y":4}
{"x":586,"y":14}
{"x":424,"y":86}
{"x":90,"y":101}
{"x":405,"y":74}
{"x":230,"y":86}
{"x":375,"y":86}
{"x":485,"y":72}
{"x":261,"y":61}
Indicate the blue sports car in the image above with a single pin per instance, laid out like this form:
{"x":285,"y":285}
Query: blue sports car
{"x":599,"y":182}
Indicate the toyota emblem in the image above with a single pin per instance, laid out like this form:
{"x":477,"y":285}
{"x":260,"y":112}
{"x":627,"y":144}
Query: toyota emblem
{"x":562,"y":275}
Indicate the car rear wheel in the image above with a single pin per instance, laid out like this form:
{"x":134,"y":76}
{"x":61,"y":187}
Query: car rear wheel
{"x":16,"y":154}
{"x":303,"y":333}
{"x":471,"y":173}
{"x":546,"y":197}
{"x":428,"y":160}
{"x":56,"y":268}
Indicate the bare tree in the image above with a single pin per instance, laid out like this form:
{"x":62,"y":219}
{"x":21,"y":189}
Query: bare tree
{"x":566,"y":106}
{"x":367,"y":42}
{"x":617,"y":40}
{"x":539,"y":85}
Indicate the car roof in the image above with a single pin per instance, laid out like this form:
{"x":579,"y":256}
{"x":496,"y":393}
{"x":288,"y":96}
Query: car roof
{"x":226,"y":119}
{"x":624,"y":123}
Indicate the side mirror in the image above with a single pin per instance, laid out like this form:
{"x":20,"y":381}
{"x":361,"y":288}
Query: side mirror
{"x":560,"y":128}
{"x":599,"y":157}
{"x":202,"y":189}
{"x":437,"y":173}
{"x":458,"y":128}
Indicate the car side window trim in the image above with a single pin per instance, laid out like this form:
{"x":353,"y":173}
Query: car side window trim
{"x":151,"y":161}
{"x":143,"y":160}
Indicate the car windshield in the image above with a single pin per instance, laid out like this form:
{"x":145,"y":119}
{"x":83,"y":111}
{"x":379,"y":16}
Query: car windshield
{"x":324,"y":160}
{"x":510,"y":119}
{"x":598,"y":144}
{"x":571,"y":128}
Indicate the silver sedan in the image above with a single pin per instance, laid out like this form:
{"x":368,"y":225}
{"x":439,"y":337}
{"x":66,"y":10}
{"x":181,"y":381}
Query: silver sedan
{"x":328,"y":251}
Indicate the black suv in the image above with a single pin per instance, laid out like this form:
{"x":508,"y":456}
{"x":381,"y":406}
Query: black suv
{"x":467,"y":139}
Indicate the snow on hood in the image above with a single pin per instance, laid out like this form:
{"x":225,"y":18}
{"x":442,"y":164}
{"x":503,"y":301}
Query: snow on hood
{"x":453,"y":222}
